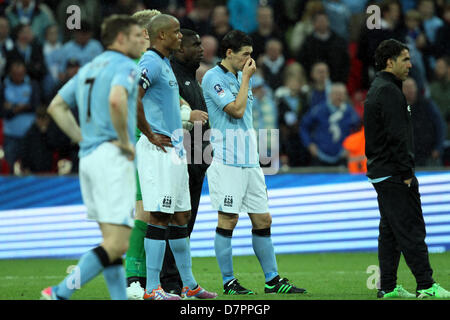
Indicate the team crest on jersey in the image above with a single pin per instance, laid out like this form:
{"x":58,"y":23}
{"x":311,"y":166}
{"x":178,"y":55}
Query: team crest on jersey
{"x":219,"y":90}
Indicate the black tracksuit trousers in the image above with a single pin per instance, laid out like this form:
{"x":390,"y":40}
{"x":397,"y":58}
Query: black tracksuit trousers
{"x":401,"y":230}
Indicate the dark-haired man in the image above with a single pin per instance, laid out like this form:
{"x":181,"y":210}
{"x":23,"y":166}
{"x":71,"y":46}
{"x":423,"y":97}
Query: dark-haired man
{"x":185,"y":63}
{"x":105,"y":91}
{"x":165,"y":184}
{"x":235,"y":178}
{"x":390,"y":167}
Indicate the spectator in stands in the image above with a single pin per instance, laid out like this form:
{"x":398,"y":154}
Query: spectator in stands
{"x":57,"y":140}
{"x":30,"y":51}
{"x":304,"y":27}
{"x":356,"y":6}
{"x":428,"y":126}
{"x":320,"y":84}
{"x":339,"y":16}
{"x":417,"y":43}
{"x":431,"y":23}
{"x":266,"y":30}
{"x":201,"y":71}
{"x":440,"y":88}
{"x":291,"y":103}
{"x":408,"y":5}
{"x":272,"y":63}
{"x":36,"y":156}
{"x":369,"y":39}
{"x":325,"y":126}
{"x":355,"y":151}
{"x":72,"y":67}
{"x":82,"y":48}
{"x":442,"y":45}
{"x":210,"y":46}
{"x":324,"y":45}
{"x":265,"y":113}
{"x":31,"y":12}
{"x":220,"y":22}
{"x":52,"y":57}
{"x":288,"y":13}
{"x":91,"y":12}
{"x":6,"y":45}
{"x":19,"y":96}
{"x":199,"y":17}
{"x":243,"y":15}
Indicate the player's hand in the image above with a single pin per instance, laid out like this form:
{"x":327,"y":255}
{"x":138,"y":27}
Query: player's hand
{"x":249,"y":68}
{"x":126,"y":148}
{"x":198,"y":115}
{"x":160,"y":141}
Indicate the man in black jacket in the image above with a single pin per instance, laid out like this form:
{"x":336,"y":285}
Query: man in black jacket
{"x":390,"y":167}
{"x":185,"y":63}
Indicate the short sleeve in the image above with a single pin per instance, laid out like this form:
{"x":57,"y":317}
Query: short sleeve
{"x":68,"y":91}
{"x":150,"y":70}
{"x":126,"y":77}
{"x":218,"y":90}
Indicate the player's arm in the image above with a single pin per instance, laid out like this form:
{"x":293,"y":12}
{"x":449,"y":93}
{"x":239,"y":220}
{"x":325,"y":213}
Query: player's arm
{"x":236,"y":109}
{"x":142,"y":122}
{"x":60,"y":111}
{"x":190,"y":116}
{"x":118,"y":109}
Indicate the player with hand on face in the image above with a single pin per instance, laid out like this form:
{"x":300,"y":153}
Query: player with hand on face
{"x":235,"y":178}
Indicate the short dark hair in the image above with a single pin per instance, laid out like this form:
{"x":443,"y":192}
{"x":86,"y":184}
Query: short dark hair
{"x":187,"y":33}
{"x":115,"y":24}
{"x":388,"y":49}
{"x":234,"y":40}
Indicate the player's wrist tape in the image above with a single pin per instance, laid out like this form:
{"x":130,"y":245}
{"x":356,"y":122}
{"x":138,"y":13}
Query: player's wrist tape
{"x":185,"y":112}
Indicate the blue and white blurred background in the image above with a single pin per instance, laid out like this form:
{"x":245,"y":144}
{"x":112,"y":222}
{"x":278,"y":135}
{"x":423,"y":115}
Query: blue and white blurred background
{"x":45,"y":217}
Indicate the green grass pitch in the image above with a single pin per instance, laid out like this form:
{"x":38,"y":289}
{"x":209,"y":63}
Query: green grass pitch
{"x":326,"y":276}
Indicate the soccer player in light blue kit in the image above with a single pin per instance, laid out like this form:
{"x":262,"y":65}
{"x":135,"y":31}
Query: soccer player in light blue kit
{"x":235,"y":178}
{"x":164,"y":184}
{"x":105,"y":91}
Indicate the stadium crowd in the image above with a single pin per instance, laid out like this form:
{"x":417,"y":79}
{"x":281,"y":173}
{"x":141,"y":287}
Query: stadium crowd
{"x":315,"y":64}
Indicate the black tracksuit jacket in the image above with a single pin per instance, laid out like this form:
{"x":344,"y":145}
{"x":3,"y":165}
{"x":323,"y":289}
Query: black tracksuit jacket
{"x":388,"y":129}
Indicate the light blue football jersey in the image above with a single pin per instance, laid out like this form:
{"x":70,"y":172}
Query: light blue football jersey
{"x":233,"y":140}
{"x":89,"y":89}
{"x":161,"y":101}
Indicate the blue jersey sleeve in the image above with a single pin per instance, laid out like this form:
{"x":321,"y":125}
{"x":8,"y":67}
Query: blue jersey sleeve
{"x":150,"y":69}
{"x":218,"y":90}
{"x":126,"y":76}
{"x":68,"y":91}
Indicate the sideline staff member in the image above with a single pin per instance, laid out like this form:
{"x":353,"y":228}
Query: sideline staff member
{"x":390,"y":167}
